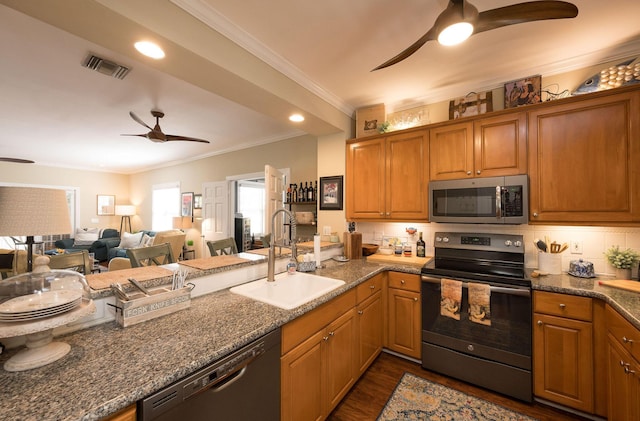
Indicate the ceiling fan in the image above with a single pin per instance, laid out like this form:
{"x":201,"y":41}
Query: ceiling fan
{"x":17,"y":160}
{"x":156,"y":134}
{"x":461,"y":19}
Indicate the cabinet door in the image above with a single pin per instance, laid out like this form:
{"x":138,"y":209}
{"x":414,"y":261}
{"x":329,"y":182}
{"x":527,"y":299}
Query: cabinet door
{"x":365,"y":180}
{"x":407,"y":170}
{"x":340,"y":358}
{"x":302,"y":376}
{"x":404,"y":322}
{"x":370,"y":323}
{"x":500,"y":145}
{"x":624,"y":393}
{"x":451,"y":151}
{"x":563,"y":361}
{"x":583,"y":157}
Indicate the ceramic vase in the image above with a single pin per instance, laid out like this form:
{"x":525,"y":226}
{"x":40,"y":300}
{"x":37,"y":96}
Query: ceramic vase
{"x":623,"y":273}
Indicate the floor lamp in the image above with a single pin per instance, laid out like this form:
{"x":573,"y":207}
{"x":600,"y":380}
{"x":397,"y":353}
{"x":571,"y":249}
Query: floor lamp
{"x":126,"y":211}
{"x":29,"y":211}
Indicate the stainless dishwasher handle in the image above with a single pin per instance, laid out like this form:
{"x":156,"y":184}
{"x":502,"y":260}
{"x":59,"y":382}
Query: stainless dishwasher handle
{"x":524,"y":292}
{"x":228,"y":380}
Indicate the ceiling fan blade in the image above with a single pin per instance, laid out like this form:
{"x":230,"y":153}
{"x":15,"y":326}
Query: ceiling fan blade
{"x":139,"y":120}
{"x":141,"y":135}
{"x":524,"y":12}
{"x":171,"y":137}
{"x":429,"y":36}
{"x":17,"y":160}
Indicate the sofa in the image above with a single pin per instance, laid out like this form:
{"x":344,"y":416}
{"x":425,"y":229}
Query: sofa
{"x":94,"y":240}
{"x":149,"y":238}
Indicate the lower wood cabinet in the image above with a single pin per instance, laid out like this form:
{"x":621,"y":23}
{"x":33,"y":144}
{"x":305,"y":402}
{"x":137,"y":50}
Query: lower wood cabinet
{"x":370,"y":320}
{"x":563,"y":362}
{"x":319,"y":361}
{"x":126,"y":414}
{"x":404,"y":314}
{"x":624,"y":368}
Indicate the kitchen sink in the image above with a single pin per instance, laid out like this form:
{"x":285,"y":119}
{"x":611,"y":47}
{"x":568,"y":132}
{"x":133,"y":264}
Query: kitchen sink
{"x":288,"y":291}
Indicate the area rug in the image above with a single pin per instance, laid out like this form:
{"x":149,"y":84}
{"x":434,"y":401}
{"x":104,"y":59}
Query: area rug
{"x":418,"y":399}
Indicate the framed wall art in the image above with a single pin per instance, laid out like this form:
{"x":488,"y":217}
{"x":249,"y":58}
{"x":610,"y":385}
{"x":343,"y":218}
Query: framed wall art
{"x":330,"y":190}
{"x":106,"y":205}
{"x":522,"y":92}
{"x":471,"y":104}
{"x":197,"y":201}
{"x":187,"y":204}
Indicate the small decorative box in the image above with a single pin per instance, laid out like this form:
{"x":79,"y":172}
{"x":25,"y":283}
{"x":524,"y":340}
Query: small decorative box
{"x":581,"y":269}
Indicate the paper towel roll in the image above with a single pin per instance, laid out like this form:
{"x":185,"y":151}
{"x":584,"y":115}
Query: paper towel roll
{"x":316,"y":249}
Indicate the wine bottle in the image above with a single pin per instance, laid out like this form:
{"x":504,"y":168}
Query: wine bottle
{"x":420,"y":246}
{"x":315,"y":192}
{"x":294,"y":194}
{"x":300,"y":193}
{"x":310,"y":193}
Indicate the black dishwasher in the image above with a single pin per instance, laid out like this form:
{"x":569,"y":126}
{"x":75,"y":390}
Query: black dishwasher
{"x":244,"y":385}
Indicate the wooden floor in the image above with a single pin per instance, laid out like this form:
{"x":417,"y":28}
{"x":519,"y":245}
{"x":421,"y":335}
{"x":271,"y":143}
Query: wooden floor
{"x":371,"y":392}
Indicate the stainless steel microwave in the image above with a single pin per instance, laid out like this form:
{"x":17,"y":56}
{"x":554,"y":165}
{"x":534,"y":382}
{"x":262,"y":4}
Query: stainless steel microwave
{"x":491,"y":200}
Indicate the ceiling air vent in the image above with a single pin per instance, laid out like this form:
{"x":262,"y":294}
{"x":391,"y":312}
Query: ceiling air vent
{"x":105,"y":67}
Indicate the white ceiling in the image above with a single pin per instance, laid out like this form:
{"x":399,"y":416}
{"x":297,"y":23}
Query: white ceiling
{"x":273,"y":57}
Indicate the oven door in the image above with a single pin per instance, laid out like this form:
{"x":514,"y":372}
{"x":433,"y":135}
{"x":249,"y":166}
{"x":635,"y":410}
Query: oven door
{"x":506,"y":340}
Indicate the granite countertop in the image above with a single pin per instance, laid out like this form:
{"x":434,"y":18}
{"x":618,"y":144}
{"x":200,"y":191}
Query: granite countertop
{"x":110,"y":367}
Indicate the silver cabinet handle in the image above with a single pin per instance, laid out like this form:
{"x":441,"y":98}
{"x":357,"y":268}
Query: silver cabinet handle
{"x":402,"y":281}
{"x":468,"y":172}
{"x":478,"y":172}
{"x":562,"y":306}
{"x":360,"y":312}
{"x":627,"y":340}
{"x":540,"y":323}
{"x":372,"y":287}
{"x":415,"y":299}
{"x":535,"y":214}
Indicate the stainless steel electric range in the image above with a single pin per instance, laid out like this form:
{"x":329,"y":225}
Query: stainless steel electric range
{"x":476,"y":312}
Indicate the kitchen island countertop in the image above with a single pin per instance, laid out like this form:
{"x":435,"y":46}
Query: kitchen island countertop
{"x":110,"y":367}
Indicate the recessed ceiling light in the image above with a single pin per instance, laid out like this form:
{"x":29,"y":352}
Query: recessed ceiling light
{"x":149,"y":49}
{"x":297,"y":118}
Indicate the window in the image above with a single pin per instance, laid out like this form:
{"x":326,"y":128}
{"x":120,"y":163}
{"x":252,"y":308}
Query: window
{"x":251,"y":203}
{"x":165,"y":205}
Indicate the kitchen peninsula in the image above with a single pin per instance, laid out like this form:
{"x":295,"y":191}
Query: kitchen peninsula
{"x":110,"y":368}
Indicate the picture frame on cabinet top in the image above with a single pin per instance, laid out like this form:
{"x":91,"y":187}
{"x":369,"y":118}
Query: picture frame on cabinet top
{"x":523,"y":92}
{"x":369,"y":119}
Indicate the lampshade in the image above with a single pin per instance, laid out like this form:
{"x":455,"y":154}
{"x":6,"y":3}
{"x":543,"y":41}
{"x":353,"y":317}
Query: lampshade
{"x":125,"y":210}
{"x":180,"y":222}
{"x":456,"y":23}
{"x":28,"y":211}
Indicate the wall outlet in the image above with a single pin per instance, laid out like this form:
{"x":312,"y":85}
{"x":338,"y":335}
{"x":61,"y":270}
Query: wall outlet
{"x":576,"y":247}
{"x":326,"y":230}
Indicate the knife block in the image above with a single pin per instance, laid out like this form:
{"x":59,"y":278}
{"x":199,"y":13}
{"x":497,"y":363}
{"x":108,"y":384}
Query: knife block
{"x":352,"y":242}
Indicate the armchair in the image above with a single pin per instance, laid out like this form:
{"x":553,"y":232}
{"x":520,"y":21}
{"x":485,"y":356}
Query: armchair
{"x":109,"y":238}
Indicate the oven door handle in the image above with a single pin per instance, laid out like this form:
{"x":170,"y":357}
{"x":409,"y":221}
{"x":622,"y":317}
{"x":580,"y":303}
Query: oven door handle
{"x":524,"y":292}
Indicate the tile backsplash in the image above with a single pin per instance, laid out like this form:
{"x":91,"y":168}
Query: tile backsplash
{"x":595,"y":240}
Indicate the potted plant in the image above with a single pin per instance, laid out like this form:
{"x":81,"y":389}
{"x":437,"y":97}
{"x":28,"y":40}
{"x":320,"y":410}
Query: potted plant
{"x":622,"y":260}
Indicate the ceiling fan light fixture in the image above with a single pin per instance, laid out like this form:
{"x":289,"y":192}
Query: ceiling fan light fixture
{"x":149,"y":49}
{"x":296,"y":118}
{"x":455,"y":34}
{"x":456,"y":23}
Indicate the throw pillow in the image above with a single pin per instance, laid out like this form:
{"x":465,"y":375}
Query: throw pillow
{"x":147,"y":240}
{"x":130,"y":241}
{"x":85,"y":237}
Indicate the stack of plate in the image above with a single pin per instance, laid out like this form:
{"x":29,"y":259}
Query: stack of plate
{"x":39,"y":305}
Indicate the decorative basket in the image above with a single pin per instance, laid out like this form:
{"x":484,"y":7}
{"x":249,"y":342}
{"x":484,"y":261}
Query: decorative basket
{"x":306,"y":266}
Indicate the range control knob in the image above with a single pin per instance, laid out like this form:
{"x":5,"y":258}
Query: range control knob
{"x":470,"y":347}
{"x":507,"y":243}
{"x":438,"y":239}
{"x":517,"y":243}
{"x":445,"y":239}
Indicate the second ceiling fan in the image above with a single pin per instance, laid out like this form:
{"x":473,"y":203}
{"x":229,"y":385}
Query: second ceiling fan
{"x":156,"y":134}
{"x":461,"y":19}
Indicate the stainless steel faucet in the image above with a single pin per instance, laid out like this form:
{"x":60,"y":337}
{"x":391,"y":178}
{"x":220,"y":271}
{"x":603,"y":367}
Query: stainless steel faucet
{"x":272,"y":247}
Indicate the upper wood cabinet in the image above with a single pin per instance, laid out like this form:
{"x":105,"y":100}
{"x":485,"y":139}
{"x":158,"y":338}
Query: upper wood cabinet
{"x":583,"y":160}
{"x":486,"y":147}
{"x":387,"y":176}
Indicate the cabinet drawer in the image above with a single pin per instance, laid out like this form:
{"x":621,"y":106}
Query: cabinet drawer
{"x":563,"y":305}
{"x":624,"y":332}
{"x":406,"y":281}
{"x":368,"y":288}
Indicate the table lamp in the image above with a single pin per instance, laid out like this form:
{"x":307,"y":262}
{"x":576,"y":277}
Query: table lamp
{"x":30,"y":211}
{"x":126,"y":211}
